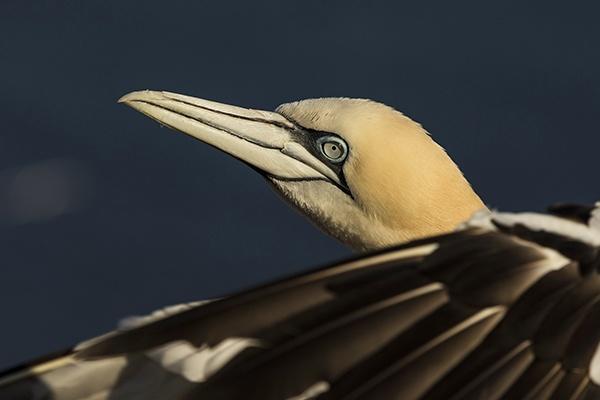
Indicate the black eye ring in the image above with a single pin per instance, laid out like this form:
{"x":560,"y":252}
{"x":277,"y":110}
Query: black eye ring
{"x":333,"y":148}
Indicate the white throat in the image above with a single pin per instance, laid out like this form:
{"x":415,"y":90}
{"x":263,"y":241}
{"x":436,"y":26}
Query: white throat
{"x":338,"y":214}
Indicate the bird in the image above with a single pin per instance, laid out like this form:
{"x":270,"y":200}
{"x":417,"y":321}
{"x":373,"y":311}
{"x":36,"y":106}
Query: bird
{"x":445,"y":298}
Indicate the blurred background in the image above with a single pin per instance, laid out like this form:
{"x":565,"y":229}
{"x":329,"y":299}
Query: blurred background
{"x":103,"y":214}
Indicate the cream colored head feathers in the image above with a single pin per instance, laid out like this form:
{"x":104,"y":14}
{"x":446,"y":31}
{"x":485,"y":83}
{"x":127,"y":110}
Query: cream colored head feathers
{"x":404,"y":182}
{"x":392,"y":184}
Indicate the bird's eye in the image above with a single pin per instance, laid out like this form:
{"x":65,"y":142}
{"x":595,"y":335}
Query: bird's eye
{"x":334,"y":148}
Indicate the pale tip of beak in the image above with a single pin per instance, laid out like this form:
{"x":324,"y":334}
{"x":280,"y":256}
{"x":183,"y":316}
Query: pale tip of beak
{"x":139,"y":95}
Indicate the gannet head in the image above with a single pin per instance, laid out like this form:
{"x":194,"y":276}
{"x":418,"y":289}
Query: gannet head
{"x":362,"y":171}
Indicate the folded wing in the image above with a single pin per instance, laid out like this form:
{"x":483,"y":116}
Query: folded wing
{"x":498,"y":310}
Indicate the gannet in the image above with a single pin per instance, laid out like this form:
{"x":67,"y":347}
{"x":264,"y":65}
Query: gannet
{"x":362,"y":171}
{"x":451,"y":301}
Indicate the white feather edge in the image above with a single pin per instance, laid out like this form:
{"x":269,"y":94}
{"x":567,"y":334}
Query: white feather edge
{"x":595,"y":219}
{"x":312,"y":391}
{"x":595,"y":366}
{"x":540,"y":222}
{"x":136,"y":321}
{"x":197,"y":364}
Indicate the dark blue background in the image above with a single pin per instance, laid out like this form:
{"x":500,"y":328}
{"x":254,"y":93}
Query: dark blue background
{"x":103,"y":214}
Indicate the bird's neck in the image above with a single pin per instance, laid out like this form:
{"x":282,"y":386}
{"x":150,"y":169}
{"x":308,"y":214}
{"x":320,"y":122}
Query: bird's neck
{"x":428,"y":204}
{"x":427,"y":196}
{"x":429,"y":217}
{"x":339,"y":215}
{"x":439,"y":209}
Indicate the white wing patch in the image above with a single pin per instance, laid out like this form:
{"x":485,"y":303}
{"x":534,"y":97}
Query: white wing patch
{"x":312,"y":392}
{"x":481,"y":219}
{"x":135,"y":321}
{"x":99,"y":377}
{"x":552,"y":224}
{"x":197,"y":364}
{"x":540,"y":222}
{"x":595,"y":219}
{"x":595,"y":366}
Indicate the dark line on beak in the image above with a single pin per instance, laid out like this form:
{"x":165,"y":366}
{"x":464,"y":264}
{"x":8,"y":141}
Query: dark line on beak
{"x":265,"y":121}
{"x":343,"y":188}
{"x":203,"y":122}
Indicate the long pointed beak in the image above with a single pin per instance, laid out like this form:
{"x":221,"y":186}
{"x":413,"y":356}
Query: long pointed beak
{"x":265,"y":140}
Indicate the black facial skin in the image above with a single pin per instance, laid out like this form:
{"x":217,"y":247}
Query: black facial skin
{"x":308,"y":139}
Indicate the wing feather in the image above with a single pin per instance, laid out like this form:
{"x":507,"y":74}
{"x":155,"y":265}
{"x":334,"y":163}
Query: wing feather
{"x":469,"y":315}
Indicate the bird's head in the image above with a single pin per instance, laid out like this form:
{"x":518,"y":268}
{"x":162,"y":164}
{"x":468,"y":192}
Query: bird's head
{"x":362,"y":171}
